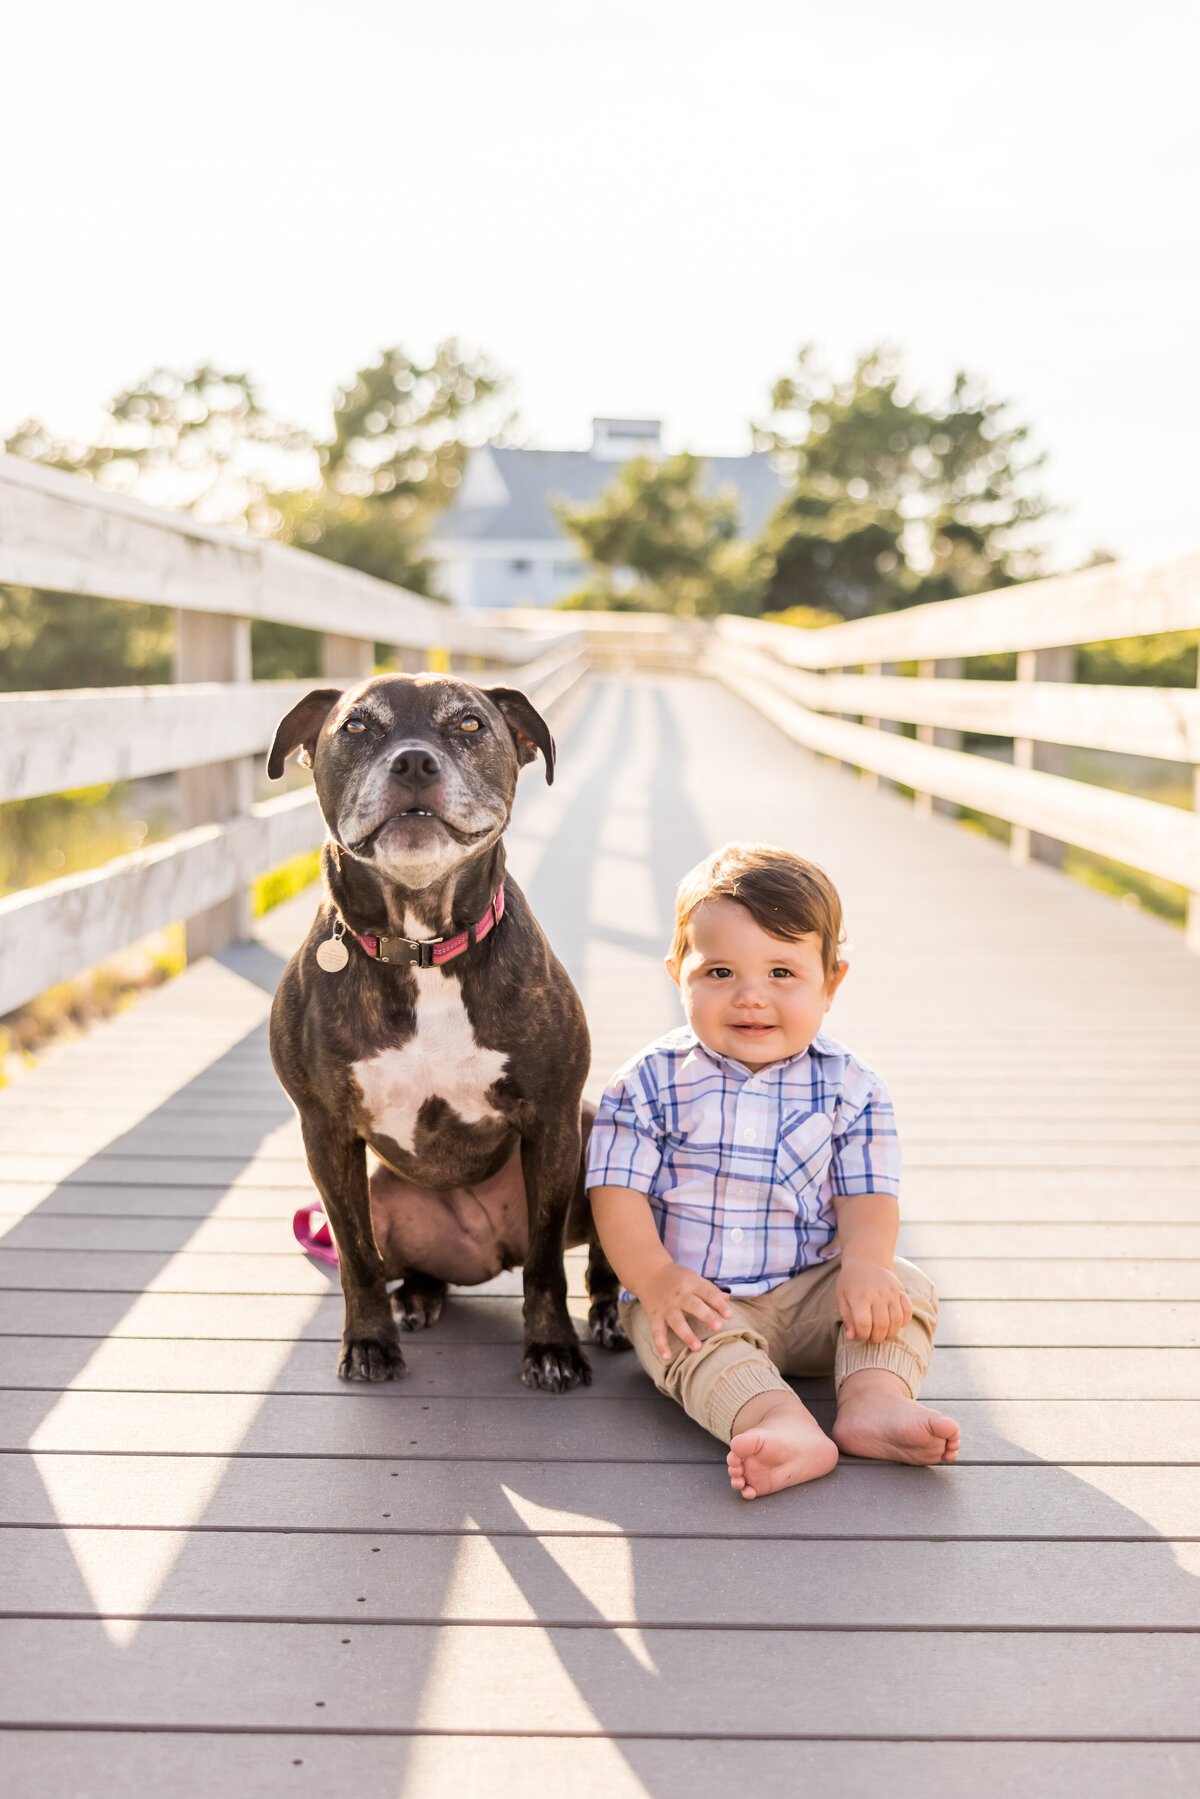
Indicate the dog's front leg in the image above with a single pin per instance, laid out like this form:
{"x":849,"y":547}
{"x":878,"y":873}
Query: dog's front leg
{"x":554,"y":1358}
{"x":338,"y":1165}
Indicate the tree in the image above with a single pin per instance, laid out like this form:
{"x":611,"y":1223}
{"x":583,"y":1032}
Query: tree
{"x":202,"y":440}
{"x":198,"y":439}
{"x":56,"y":640}
{"x":658,"y":543}
{"x":401,"y":430}
{"x":894,"y":501}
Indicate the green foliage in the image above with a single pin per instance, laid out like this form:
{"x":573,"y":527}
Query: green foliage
{"x":1168,"y":660}
{"x":282,"y":883}
{"x":599,"y":597}
{"x":284,"y":652}
{"x":659,"y":543}
{"x":54,"y":640}
{"x":65,"y":1011}
{"x":1130,"y":885}
{"x":393,"y":460}
{"x":894,"y":500}
{"x":199,"y":439}
{"x":65,"y":833}
{"x":805,"y":618}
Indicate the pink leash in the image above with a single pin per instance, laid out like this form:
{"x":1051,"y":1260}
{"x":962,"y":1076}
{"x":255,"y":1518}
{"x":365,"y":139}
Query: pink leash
{"x":315,"y":1242}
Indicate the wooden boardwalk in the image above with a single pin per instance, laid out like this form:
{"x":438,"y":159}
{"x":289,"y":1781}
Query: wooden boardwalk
{"x":223,"y":1572}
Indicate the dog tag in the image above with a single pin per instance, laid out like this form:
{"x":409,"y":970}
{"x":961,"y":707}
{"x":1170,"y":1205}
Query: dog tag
{"x":332,"y":955}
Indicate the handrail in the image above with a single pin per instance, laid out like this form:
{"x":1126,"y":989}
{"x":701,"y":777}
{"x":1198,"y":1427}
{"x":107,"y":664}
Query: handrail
{"x":54,"y":742}
{"x":52,"y":932}
{"x":66,"y":535}
{"x":1114,"y":600}
{"x":62,"y":533}
{"x":1136,"y":721}
{"x":1163,"y":840}
{"x":778,"y":668}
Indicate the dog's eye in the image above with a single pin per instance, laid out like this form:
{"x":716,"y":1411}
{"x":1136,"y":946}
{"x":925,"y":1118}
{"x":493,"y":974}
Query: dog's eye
{"x":354,"y":725}
{"x":469,"y":723}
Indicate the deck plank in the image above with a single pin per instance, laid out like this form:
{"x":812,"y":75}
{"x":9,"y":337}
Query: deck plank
{"x":295,"y":1766}
{"x":867,"y":1500}
{"x":584,"y":1427}
{"x":592,"y":1681}
{"x":651,"y":1582}
{"x":453,"y":1363}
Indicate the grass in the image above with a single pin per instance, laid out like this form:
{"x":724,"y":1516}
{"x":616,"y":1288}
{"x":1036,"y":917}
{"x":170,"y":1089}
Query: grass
{"x":69,"y":833}
{"x":68,"y":1010}
{"x":1129,"y":885}
{"x":282,"y":883}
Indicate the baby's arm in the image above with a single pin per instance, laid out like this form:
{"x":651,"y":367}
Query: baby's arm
{"x":669,"y":1293}
{"x":871,"y":1299}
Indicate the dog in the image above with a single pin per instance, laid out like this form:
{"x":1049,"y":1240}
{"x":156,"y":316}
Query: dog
{"x":426,"y":1018}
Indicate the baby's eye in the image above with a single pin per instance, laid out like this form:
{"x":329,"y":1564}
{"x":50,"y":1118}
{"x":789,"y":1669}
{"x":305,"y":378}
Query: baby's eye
{"x":785,"y":973}
{"x":721,"y":974}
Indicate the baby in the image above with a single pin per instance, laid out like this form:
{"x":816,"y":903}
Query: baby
{"x":743,"y":1173}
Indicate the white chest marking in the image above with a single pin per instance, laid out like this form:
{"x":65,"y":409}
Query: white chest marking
{"x":441,"y":1060}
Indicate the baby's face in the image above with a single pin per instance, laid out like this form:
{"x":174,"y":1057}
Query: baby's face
{"x":748,"y":995}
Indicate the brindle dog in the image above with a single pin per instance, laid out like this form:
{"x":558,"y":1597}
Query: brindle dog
{"x":464,"y":1075}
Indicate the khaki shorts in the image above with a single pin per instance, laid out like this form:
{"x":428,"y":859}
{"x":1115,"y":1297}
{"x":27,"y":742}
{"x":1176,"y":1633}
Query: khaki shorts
{"x":794,"y":1329}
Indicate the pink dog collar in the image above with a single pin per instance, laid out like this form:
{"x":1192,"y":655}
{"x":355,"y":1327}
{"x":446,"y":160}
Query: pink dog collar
{"x":415,"y":952}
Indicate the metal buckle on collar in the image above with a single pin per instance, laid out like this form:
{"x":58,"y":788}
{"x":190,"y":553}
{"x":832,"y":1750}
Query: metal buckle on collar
{"x":419,"y":951}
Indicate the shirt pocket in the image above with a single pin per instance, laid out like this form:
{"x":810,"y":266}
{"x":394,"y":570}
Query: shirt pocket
{"x":694,"y":1144}
{"x":805,"y":1153}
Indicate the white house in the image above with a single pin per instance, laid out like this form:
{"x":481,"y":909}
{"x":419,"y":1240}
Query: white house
{"x":499,"y":543}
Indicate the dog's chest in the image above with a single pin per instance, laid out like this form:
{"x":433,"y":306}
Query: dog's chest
{"x":441,"y":1060}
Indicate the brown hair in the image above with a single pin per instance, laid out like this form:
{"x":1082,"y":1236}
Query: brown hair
{"x":785,"y":896}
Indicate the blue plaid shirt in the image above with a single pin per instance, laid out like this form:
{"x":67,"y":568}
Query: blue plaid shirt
{"x":742,"y":1168}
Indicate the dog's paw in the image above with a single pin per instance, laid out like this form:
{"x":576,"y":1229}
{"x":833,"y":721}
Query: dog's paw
{"x":417,"y":1307}
{"x":367,"y":1358}
{"x":604,"y":1322}
{"x":555,"y":1367}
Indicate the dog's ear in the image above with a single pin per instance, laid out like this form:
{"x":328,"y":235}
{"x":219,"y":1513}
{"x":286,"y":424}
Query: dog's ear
{"x":300,"y":728}
{"x":530,"y":732}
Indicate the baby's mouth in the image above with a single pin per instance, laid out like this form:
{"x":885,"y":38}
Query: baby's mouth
{"x":754,"y":1030}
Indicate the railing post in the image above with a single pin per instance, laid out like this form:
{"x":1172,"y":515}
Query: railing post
{"x":212,"y":647}
{"x":1051,"y":758}
{"x":869,"y":777}
{"x":349,"y":659}
{"x":948,"y":667}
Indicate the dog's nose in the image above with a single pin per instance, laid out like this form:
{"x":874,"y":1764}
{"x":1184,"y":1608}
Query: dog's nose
{"x":416,"y":765}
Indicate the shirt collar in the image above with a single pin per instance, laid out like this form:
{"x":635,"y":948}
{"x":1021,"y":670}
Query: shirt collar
{"x":820,"y":1046}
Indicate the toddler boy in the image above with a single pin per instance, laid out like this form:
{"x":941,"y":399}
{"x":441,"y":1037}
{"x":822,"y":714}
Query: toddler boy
{"x":744,"y":1173}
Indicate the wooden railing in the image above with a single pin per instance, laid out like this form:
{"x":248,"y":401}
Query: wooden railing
{"x":62,"y":534}
{"x":803,"y":681}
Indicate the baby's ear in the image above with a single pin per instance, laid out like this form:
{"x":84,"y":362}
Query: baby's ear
{"x":672,"y":968}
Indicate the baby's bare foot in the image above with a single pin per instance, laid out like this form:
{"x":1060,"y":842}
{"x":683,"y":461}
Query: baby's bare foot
{"x":877,"y":1417}
{"x":777,"y":1443}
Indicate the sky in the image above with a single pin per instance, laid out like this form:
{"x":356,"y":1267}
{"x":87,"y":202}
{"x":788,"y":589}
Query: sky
{"x":636,"y":208}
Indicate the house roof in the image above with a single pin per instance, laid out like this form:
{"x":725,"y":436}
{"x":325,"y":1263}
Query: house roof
{"x":533,"y":478}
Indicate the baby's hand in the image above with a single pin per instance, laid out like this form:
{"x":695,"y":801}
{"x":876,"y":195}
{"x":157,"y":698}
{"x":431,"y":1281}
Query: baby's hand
{"x":671,"y":1295}
{"x":872,"y":1302}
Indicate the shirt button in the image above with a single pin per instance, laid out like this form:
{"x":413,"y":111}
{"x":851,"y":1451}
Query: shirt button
{"x":748,"y":1136}
{"x":735,"y":1235}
